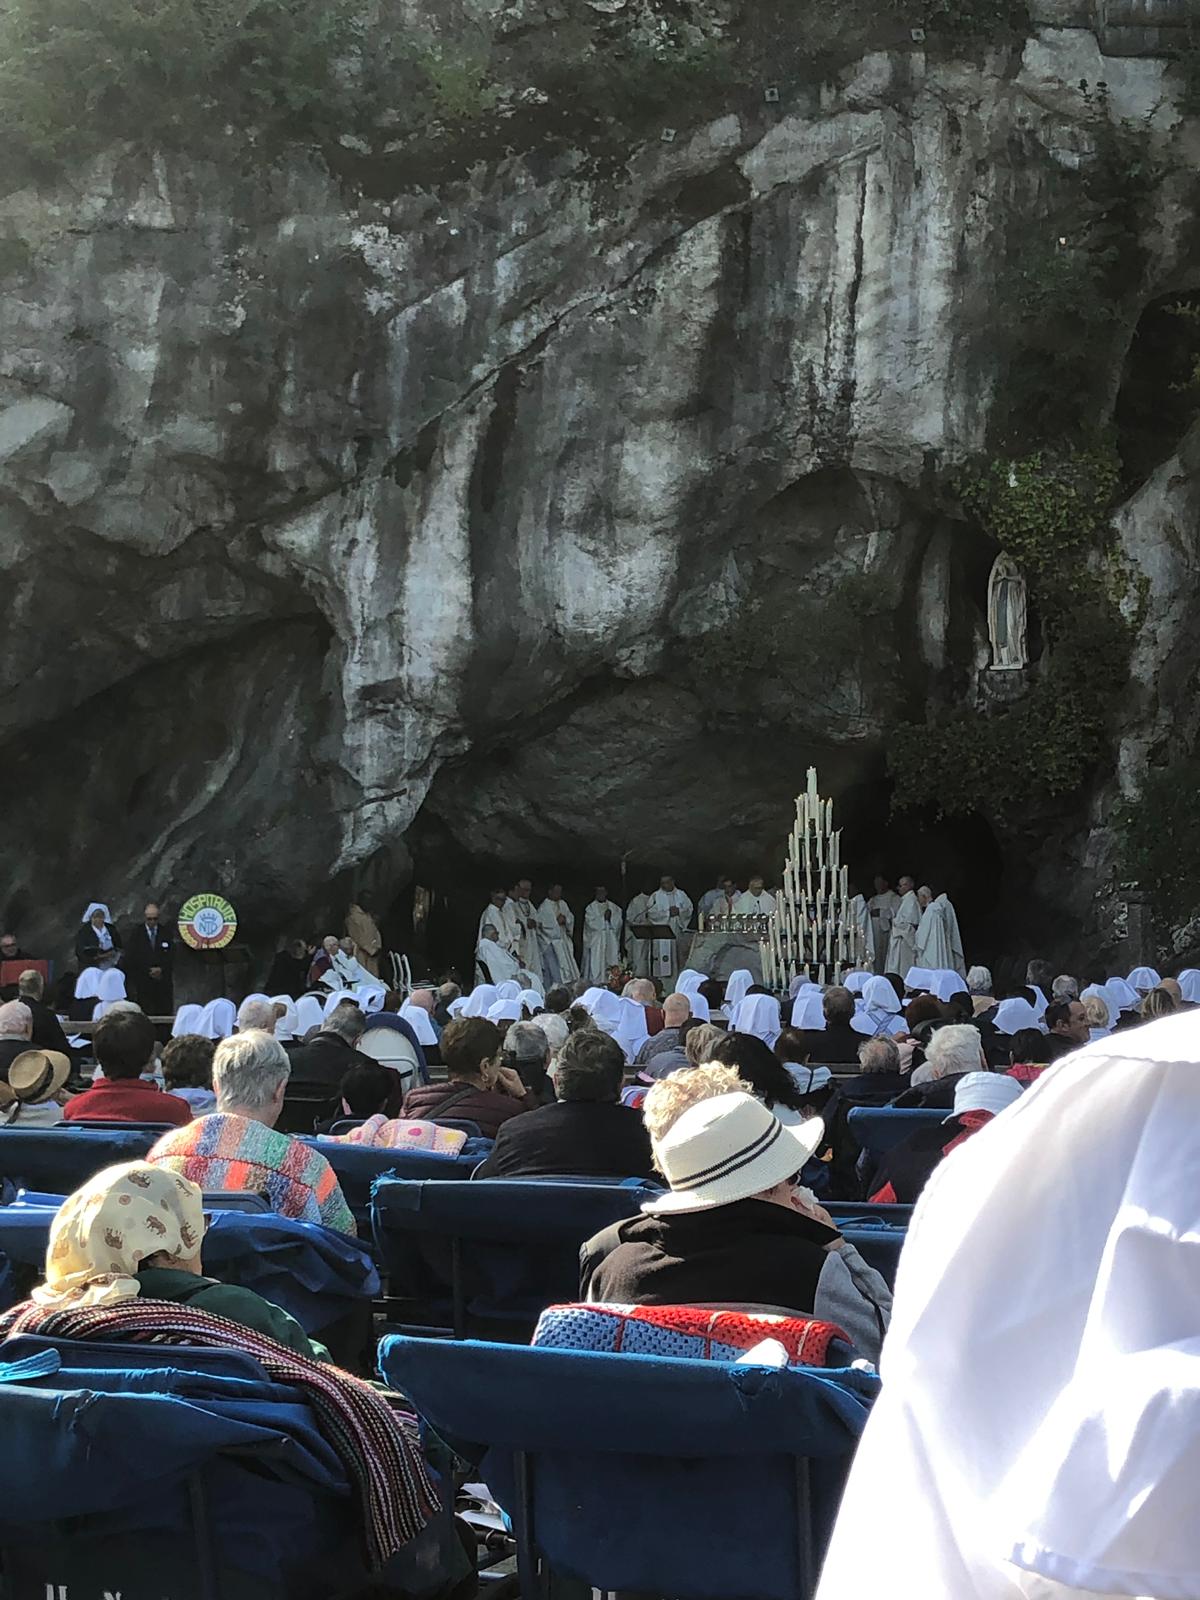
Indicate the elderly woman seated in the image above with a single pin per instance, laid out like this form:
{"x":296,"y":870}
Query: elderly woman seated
{"x":736,"y":1229}
{"x":123,"y":1264}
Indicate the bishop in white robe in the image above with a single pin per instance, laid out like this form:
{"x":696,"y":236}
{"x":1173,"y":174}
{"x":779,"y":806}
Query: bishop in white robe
{"x":601,"y":938}
{"x":668,"y":907}
{"x":556,"y":930}
{"x":902,"y":946}
{"x":939,"y":943}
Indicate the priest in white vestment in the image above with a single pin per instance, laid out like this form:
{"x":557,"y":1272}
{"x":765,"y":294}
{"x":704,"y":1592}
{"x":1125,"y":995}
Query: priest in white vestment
{"x":756,"y":902}
{"x":719,"y":902}
{"x":902,"y":946}
{"x":556,"y":930}
{"x":669,"y":907}
{"x":601,"y":938}
{"x":637,"y":951}
{"x":346,"y":972}
{"x":939,"y":943}
{"x":883,"y":906}
{"x":524,"y":921}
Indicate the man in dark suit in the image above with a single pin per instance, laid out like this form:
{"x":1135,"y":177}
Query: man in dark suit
{"x":47,"y":1030}
{"x":587,"y":1133}
{"x":148,"y":961}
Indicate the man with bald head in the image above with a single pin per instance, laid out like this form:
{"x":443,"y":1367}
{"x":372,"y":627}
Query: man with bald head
{"x":148,"y":960}
{"x":677,"y":1008}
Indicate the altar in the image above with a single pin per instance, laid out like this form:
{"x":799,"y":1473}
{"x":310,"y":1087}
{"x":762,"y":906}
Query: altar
{"x":716,"y":955}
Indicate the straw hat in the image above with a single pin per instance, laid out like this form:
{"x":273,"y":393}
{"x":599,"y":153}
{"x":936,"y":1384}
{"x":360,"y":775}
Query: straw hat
{"x":38,"y":1075}
{"x":729,"y":1148}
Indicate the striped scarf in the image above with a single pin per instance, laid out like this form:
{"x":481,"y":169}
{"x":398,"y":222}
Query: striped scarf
{"x":377,"y":1447}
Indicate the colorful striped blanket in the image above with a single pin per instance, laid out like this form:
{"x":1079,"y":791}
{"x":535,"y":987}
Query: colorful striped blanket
{"x":227,"y":1152}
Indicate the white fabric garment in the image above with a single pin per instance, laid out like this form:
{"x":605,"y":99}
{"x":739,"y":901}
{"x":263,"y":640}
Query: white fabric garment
{"x":632,"y":1031}
{"x":1065,"y":1465}
{"x":700,"y":1007}
{"x":606,"y":1011}
{"x":1039,"y":1001}
{"x":559,"y":965}
{"x":420,"y":1022}
{"x":528,"y":947}
{"x":309,"y":1014}
{"x":902,"y":943}
{"x":1014,"y":1014}
{"x":1189,"y":984}
{"x":111,"y":985}
{"x":217,"y":1019}
{"x":917,"y":980}
{"x":939,"y":943}
{"x":856,"y":982}
{"x":601,"y":939}
{"x":589,"y":997}
{"x":504,"y":1011}
{"x":689,"y":981}
{"x":807,"y":1079}
{"x":481,"y":997}
{"x":735,"y":987}
{"x":754,"y":905}
{"x":510,"y":989}
{"x":637,"y":951}
{"x":808,"y":1012}
{"x":1143,"y":979}
{"x":96,"y":905}
{"x":334,"y":1000}
{"x":945,"y":983}
{"x":371,"y":997}
{"x":880,"y":1011}
{"x":456,"y":1008}
{"x":87,"y":984}
{"x":186,"y":1019}
{"x":285,"y":1028}
{"x":495,"y":960}
{"x":532,"y":1000}
{"x":672,"y":910}
{"x":1122,"y":997}
{"x":757,"y":1014}
{"x":495,"y":926}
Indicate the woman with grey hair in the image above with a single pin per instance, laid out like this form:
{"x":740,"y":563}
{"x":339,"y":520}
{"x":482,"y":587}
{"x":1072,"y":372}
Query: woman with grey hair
{"x":951,"y":1053}
{"x":527,"y":1052}
{"x":237,"y":1146}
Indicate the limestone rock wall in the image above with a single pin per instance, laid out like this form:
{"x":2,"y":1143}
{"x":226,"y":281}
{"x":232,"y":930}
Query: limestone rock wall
{"x":326,"y":520}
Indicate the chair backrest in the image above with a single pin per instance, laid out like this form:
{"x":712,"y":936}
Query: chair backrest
{"x":303,"y":1109}
{"x":358,"y":1167}
{"x":460,"y":1124}
{"x":58,"y":1160}
{"x":879,"y":1128}
{"x":315,"y":1274}
{"x":392,"y":1049}
{"x":491,"y":1255}
{"x":879,"y":1247}
{"x":595,"y":1455}
{"x":248,"y":1498}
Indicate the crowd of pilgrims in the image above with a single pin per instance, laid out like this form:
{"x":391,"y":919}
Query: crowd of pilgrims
{"x":734,"y":1100}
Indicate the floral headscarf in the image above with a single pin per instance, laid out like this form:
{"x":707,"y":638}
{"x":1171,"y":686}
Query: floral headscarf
{"x":105,"y":1231}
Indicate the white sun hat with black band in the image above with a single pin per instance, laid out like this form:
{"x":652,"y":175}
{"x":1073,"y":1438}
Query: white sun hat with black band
{"x":729,"y":1148}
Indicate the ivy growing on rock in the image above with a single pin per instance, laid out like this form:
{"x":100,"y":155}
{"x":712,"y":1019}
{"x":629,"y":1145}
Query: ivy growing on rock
{"x":1050,"y":512}
{"x":1159,"y":839}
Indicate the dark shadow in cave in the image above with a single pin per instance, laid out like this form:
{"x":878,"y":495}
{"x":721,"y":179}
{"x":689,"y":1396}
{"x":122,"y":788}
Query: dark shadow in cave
{"x":1158,"y":399}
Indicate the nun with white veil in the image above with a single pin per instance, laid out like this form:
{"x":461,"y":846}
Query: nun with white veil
{"x":735,"y":988}
{"x":879,"y":1016}
{"x":1037,"y":1436}
{"x":757,"y":1014}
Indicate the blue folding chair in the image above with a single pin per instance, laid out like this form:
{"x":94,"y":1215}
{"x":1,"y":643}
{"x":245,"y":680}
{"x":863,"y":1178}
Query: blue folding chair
{"x":864,"y":1214}
{"x":59,"y":1160}
{"x":164,"y":1469}
{"x":359,"y":1167}
{"x":878,"y":1129}
{"x":489,"y":1257}
{"x":879,"y":1247}
{"x":695,"y":1479}
{"x":315,"y":1274}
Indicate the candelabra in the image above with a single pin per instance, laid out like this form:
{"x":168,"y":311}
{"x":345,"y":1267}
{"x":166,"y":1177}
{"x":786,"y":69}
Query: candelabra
{"x":812,"y":932}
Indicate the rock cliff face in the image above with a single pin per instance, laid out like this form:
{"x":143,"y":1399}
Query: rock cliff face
{"x":541,"y":516}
